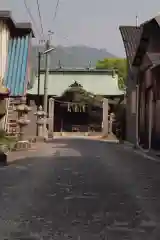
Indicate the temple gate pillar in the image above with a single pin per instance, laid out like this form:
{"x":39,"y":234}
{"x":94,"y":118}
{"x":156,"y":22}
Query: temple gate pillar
{"x":105,"y":117}
{"x":51,"y":116}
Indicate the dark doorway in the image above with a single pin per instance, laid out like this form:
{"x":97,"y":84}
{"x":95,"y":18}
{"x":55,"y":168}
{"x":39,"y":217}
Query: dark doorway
{"x":69,"y":120}
{"x":78,"y":110}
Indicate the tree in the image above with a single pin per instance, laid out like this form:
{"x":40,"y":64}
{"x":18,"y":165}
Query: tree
{"x":77,"y":93}
{"x":118,"y":64}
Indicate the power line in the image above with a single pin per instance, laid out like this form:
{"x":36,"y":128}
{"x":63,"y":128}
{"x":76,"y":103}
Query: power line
{"x":40,"y":17}
{"x":56,"y":10}
{"x":32,"y":18}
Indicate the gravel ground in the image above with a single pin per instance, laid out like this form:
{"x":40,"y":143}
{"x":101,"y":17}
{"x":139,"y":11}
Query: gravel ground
{"x":80,"y":189}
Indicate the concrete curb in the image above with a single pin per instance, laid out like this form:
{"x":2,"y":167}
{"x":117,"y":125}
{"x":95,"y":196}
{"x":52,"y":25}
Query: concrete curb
{"x":85,"y":137}
{"x":148,"y":155}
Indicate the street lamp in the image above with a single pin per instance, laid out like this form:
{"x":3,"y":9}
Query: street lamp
{"x":39,"y":68}
{"x":49,"y":50}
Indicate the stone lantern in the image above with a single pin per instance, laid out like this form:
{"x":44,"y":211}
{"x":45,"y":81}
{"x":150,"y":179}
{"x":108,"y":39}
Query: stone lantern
{"x":41,"y":118}
{"x":111,"y":120}
{"x":22,"y":109}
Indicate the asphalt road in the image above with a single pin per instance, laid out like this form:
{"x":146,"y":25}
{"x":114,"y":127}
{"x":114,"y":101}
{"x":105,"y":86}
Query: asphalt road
{"x":81,"y":190}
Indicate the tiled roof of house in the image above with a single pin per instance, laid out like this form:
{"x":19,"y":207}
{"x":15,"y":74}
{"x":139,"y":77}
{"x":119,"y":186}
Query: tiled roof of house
{"x":144,"y":40}
{"x":131,"y":37}
{"x":81,"y":71}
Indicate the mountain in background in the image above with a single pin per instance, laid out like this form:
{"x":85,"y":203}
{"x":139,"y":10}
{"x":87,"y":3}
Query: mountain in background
{"x":71,"y":57}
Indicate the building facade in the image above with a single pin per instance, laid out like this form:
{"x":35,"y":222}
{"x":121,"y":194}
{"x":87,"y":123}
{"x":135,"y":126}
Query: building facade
{"x":15,"y":42}
{"x":145,"y":87}
{"x":99,"y":82}
{"x":61,"y":86}
{"x":131,"y":37}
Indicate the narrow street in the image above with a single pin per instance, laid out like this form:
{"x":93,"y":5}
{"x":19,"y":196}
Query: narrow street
{"x":85,"y":190}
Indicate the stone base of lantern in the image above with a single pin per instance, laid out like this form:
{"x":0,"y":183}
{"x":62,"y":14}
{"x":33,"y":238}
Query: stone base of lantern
{"x":50,"y":135}
{"x":40,"y":139}
{"x":22,"y":145}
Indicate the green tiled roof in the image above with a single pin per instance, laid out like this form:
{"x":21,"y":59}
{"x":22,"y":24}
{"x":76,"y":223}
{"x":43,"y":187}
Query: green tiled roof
{"x":100,"y":83}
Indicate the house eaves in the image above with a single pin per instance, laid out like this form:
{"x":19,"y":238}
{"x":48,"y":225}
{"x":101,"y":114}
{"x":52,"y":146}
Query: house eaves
{"x":144,"y":40}
{"x":16,"y":29}
{"x":81,"y":71}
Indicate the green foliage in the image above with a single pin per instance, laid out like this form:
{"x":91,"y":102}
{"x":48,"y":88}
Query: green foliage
{"x":118,"y":64}
{"x":77,"y":93}
{"x":2,"y":134}
{"x":6,"y":141}
{"x":2,"y":108}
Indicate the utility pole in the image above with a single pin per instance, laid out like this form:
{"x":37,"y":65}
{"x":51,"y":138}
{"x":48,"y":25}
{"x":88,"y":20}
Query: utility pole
{"x":38,"y":89}
{"x":39,"y":69}
{"x":137,"y":20}
{"x":45,"y":103}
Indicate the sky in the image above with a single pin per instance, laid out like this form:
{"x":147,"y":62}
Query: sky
{"x":93,"y":23}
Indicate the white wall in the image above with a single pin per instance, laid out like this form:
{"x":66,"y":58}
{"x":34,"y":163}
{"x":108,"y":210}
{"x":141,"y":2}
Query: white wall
{"x":102,"y":84}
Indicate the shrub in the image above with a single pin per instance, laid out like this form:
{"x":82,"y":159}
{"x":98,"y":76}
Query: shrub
{"x":2,"y":133}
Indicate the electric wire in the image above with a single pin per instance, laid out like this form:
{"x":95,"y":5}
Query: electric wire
{"x":40,"y":18}
{"x":56,"y":10}
{"x":32,"y":18}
